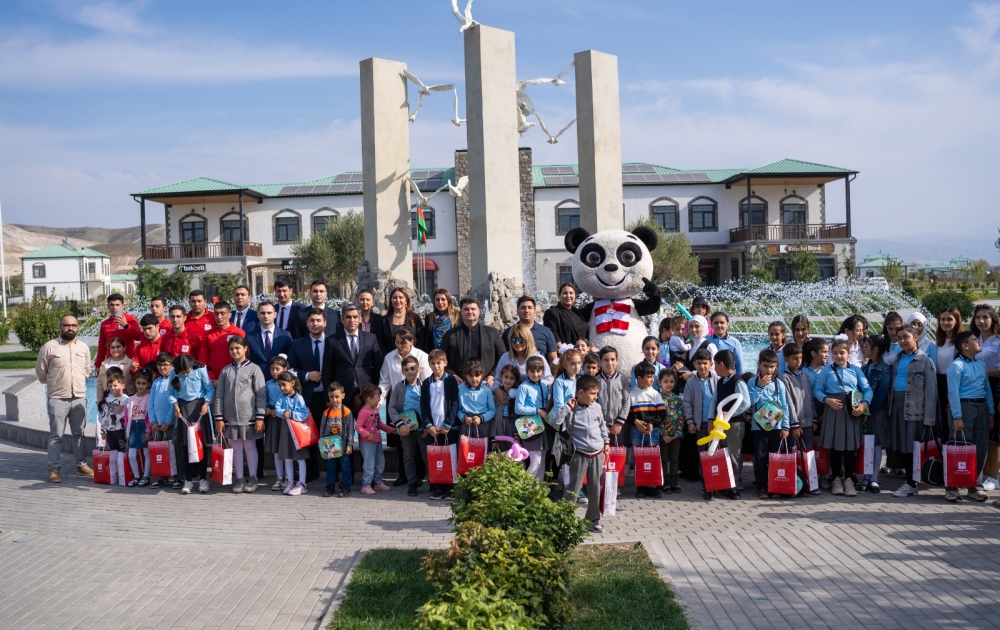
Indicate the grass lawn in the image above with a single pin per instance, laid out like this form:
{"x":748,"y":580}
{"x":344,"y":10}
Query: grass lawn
{"x":611,"y":586}
{"x":19,"y":360}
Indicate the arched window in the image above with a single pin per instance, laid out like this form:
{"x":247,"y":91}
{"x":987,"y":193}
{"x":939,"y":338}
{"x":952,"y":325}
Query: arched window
{"x":321,"y":217}
{"x":194,"y":229}
{"x":703,"y":214}
{"x":229,"y":227}
{"x":287,"y":227}
{"x":754,"y":212}
{"x":665,"y":211}
{"x":38,"y":270}
{"x":567,"y":215}
{"x":794,"y":216}
{"x":428,"y":219}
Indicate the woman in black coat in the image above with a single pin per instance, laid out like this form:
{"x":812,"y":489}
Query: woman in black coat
{"x":564,"y":318}
{"x":398,"y":313}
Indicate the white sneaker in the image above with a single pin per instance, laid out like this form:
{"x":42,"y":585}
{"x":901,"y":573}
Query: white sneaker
{"x":849,"y":490}
{"x":279,"y":485}
{"x":296,"y":490}
{"x":905,"y":490}
{"x":838,"y":486}
{"x":288,"y":487}
{"x":186,"y":489}
{"x":203,"y":486}
{"x":989,"y":483}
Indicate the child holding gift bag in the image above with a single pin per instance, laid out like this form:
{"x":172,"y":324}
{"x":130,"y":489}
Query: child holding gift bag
{"x":731,"y":382}
{"x":798,"y":390}
{"x":190,"y":393}
{"x":534,"y":399}
{"x":835,"y":387}
{"x":338,"y":421}
{"x":646,"y":416}
{"x":403,"y":412}
{"x":766,"y":389}
{"x":672,"y":432}
{"x":503,"y":424}
{"x":971,"y":404}
{"x":114,"y":411}
{"x":476,"y":406}
{"x":160,"y":410}
{"x":139,"y":430}
{"x":439,"y":411}
{"x":879,"y":379}
{"x":272,"y":424}
{"x":291,"y":406}
{"x":240,"y":400}
{"x":369,"y":427}
{"x":912,"y":405}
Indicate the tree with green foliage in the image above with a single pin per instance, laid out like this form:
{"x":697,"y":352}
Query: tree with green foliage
{"x":37,"y":322}
{"x":334,"y":254}
{"x":848,"y":264}
{"x":893,"y":269}
{"x":759,"y":264}
{"x":153,"y":282}
{"x":221,"y":285}
{"x":937,"y":301}
{"x":802,"y":263}
{"x":15,"y":284}
{"x":672,"y":258}
{"x":978,"y":269}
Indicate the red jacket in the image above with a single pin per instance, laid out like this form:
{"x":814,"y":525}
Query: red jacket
{"x":165,"y":326}
{"x":110,"y":329}
{"x":145,"y":352}
{"x":214,"y":349}
{"x":178,"y":344}
{"x":198,"y":327}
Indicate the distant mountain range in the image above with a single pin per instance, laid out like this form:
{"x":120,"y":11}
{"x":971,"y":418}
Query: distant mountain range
{"x":924,"y":248}
{"x":121,"y":244}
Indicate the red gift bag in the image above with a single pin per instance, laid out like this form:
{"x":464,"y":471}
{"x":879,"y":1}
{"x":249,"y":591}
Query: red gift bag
{"x":822,"y":457}
{"x":960,"y":465}
{"x":781,"y":473}
{"x":471,"y":452}
{"x":303,"y":433}
{"x":615,"y":462}
{"x":806,"y":461}
{"x":648,"y":469}
{"x":195,"y":446}
{"x":441,"y":464}
{"x":102,"y":467}
{"x":162,"y":461}
{"x":125,"y":472}
{"x":222,"y":464}
{"x":924,"y":450}
{"x":717,"y":470}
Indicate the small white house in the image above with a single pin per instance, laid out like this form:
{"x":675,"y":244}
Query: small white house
{"x":123,"y":283}
{"x":66,"y":272}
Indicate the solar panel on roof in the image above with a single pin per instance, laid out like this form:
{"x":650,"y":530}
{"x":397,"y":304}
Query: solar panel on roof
{"x":562,"y":181}
{"x":429,"y":184}
{"x":343,"y":177}
{"x":352,"y":188}
{"x":550,"y":170}
{"x":286,"y":190}
{"x":337,"y":188}
{"x":638,"y":168}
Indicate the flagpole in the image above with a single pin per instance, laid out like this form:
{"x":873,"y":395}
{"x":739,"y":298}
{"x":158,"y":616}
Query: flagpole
{"x":3,"y":270}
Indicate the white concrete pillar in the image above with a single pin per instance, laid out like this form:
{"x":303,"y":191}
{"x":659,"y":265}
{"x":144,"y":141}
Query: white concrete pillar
{"x":599,"y":145}
{"x":385,"y":164}
{"x":494,"y":189}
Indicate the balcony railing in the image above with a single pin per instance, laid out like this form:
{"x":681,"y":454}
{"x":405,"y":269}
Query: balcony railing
{"x":793,"y":232}
{"x":225,"y":249}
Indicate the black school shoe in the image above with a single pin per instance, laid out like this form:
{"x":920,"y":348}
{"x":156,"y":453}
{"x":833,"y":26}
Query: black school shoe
{"x":707,"y":496}
{"x":640,"y":492}
{"x":328,"y":491}
{"x":412,"y":492}
{"x":734,"y":494}
{"x":654,"y":493}
{"x":345,"y":492}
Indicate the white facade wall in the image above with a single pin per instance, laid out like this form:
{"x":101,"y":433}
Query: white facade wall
{"x":67,"y":278}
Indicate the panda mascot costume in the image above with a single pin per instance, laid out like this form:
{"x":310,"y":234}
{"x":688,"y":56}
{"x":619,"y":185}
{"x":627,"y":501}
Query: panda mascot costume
{"x":612,"y":266}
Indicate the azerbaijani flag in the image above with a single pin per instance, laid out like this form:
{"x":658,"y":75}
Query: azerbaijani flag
{"x":421,"y":227}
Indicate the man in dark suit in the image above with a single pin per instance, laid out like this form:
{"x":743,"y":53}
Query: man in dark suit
{"x":472,"y":340}
{"x":317,"y":294}
{"x":353,"y":357}
{"x":267,"y":340}
{"x":307,"y":359}
{"x":243,"y":316}
{"x":287,"y":310}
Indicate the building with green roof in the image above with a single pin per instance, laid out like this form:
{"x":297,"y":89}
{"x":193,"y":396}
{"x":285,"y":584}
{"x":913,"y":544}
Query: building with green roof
{"x":724,"y":211}
{"x":66,"y":272}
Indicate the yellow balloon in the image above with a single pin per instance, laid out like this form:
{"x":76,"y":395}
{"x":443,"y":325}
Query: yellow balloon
{"x":705,"y":440}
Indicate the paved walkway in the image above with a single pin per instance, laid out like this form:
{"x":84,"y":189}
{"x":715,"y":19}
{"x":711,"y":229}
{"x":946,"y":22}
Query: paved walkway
{"x":77,"y":555}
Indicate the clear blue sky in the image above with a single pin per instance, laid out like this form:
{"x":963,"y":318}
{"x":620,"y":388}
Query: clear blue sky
{"x":98,"y":100}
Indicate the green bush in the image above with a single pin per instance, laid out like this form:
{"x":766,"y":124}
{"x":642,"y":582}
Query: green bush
{"x":910,"y":289}
{"x":501,"y":493}
{"x":5,"y":328}
{"x":510,"y":565}
{"x":937,"y":301}
{"x":38,"y":321}
{"x":466,"y":606}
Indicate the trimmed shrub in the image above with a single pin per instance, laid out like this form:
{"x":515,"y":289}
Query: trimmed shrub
{"x":937,"y":301}
{"x":502,"y":494}
{"x":467,"y":606}
{"x":37,"y":322}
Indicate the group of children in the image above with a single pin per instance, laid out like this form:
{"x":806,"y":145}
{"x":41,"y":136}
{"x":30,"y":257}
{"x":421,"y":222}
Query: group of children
{"x":814,"y":390}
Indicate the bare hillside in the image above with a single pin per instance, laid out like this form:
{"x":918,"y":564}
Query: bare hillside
{"x":122,"y":244}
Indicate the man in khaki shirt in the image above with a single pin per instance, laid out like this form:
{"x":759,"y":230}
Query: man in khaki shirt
{"x":63,"y":366}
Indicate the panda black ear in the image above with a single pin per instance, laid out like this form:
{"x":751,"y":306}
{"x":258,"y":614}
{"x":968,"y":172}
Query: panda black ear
{"x":578,"y":235}
{"x":646,"y":234}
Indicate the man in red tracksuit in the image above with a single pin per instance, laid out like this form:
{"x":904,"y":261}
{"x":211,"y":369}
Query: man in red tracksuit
{"x":199,"y":322}
{"x":149,"y":345}
{"x":177,"y":341}
{"x":118,"y":324}
{"x":214,"y":351}
{"x":158,"y":307}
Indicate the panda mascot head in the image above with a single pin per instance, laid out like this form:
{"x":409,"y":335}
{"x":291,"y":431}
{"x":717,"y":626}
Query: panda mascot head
{"x":612,"y":266}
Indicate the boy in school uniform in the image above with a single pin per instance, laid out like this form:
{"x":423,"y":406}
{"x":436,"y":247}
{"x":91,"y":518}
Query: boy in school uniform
{"x":699,"y":401}
{"x":730,"y":383}
{"x":798,"y":389}
{"x":971,"y":403}
{"x":766,"y":388}
{"x":439,"y":412}
{"x":476,"y":405}
{"x":404,"y":406}
{"x":646,"y":414}
{"x":584,"y":419}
